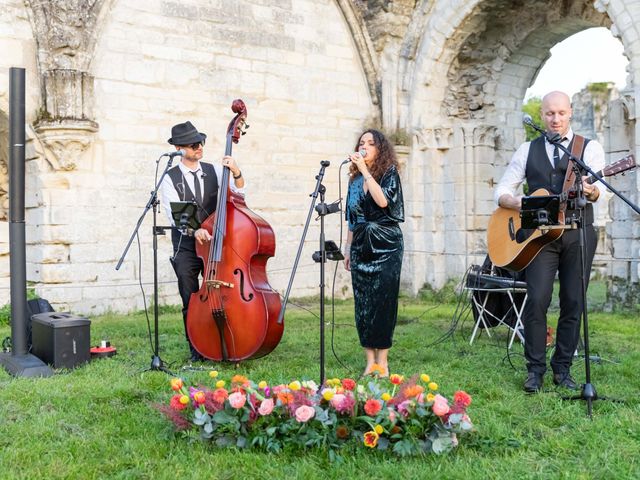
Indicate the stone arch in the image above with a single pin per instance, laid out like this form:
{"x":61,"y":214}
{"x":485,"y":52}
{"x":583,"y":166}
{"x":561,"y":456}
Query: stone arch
{"x":364,"y":46}
{"x":465,"y":72}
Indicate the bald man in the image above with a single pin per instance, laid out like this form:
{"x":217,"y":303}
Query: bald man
{"x":541,"y":165}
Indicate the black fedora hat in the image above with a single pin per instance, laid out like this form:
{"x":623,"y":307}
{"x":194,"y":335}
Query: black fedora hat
{"x":185,"y":134}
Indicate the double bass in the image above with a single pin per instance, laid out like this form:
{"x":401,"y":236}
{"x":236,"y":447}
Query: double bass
{"x":234,"y":314}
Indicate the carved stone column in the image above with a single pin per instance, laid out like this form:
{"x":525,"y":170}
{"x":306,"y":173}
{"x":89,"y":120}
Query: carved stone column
{"x":66,"y":33}
{"x":65,"y":126}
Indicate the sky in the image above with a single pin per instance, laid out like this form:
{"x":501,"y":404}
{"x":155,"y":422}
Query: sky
{"x":593,"y":55}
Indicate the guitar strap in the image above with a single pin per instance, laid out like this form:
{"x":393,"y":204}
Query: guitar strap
{"x":577,"y":150}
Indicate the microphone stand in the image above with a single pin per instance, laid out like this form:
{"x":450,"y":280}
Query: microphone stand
{"x":156,"y":361}
{"x":588,"y":392}
{"x":322,"y":209}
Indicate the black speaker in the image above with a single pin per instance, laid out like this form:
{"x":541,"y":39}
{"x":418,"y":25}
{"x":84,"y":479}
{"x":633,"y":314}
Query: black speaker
{"x":35,"y":306}
{"x":61,"y":339}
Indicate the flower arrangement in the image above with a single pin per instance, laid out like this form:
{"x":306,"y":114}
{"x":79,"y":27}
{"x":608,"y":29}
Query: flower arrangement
{"x":404,"y":416}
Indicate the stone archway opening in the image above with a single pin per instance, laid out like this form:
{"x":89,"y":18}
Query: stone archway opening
{"x":469,"y":91}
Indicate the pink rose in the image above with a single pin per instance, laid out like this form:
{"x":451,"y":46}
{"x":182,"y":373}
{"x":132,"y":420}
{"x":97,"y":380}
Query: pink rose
{"x":392,"y":416}
{"x":440,"y":405}
{"x":237,"y":400}
{"x":266,"y":407}
{"x":304,"y":413}
{"x":337,"y":400}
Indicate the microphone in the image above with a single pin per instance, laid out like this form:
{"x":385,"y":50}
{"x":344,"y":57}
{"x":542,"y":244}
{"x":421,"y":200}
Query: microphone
{"x":177,"y":153}
{"x":362,"y":152}
{"x":552,"y":137}
{"x":527,"y":120}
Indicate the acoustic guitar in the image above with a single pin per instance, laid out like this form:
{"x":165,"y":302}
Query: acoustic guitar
{"x":514,"y":248}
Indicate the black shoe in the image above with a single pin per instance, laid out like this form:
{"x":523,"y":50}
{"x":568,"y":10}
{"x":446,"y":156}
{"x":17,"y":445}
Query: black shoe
{"x":565,"y":380}
{"x":196,"y":357}
{"x":533,"y":383}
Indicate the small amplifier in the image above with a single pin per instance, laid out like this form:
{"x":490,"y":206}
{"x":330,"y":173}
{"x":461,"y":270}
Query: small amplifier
{"x":61,"y":339}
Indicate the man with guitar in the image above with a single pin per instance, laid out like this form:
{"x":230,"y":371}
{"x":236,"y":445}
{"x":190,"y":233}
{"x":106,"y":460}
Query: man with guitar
{"x":542,"y":165}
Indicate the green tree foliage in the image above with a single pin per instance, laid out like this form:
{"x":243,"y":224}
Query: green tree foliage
{"x":532,"y":107}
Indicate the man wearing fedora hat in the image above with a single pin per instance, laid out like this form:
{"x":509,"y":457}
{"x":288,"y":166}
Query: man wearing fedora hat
{"x":193,"y":181}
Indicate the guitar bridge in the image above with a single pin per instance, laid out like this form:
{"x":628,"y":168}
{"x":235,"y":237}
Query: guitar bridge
{"x":218,"y":284}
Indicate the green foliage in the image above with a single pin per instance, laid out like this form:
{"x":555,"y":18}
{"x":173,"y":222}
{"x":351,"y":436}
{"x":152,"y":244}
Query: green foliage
{"x":532,"y":107}
{"x":447,"y":294}
{"x":98,"y":420}
{"x":599,"y":88}
{"x":5,"y":310}
{"x":398,"y":137}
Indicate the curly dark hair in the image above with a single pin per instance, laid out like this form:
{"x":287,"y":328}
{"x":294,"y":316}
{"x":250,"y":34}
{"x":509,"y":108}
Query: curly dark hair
{"x":386,"y":156}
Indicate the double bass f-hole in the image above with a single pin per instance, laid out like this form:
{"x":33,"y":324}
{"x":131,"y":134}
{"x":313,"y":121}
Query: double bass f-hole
{"x":238,"y":271}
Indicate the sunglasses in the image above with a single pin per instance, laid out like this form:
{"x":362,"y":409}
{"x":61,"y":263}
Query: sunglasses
{"x":195,"y":146}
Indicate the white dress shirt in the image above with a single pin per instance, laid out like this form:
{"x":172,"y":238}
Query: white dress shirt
{"x":515,"y":173}
{"x":168,"y":192}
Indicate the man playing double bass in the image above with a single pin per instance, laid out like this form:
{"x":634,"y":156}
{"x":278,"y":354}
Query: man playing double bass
{"x":542,"y":165}
{"x":193,"y":181}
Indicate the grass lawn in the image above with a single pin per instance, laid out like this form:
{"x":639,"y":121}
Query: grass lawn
{"x":98,"y":420}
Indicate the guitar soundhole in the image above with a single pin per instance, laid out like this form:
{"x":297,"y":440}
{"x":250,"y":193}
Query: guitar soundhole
{"x":522,"y":234}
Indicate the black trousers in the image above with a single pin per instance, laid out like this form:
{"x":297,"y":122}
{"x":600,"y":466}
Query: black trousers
{"x":562,"y":256}
{"x":188,"y":267}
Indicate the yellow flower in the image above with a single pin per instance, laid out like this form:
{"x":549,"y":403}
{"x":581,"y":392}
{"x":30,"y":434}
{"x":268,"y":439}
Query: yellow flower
{"x":295,"y":385}
{"x":262,"y":385}
{"x":386,"y":397}
{"x":176,"y":384}
{"x":328,"y":394}
{"x":433,"y":386}
{"x":213,"y":373}
{"x":379,"y":429}
{"x":220,"y":384}
{"x":425,"y":378}
{"x":376,"y":369}
{"x":333,"y":382}
{"x":184,"y":399}
{"x":430,"y":397}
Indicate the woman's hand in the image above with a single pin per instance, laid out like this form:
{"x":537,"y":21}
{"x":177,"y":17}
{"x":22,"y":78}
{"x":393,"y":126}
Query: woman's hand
{"x":359,"y":162}
{"x":347,"y":259}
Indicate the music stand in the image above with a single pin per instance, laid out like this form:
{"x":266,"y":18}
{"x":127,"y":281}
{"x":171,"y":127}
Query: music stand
{"x":184,"y":215}
{"x":538,"y":211}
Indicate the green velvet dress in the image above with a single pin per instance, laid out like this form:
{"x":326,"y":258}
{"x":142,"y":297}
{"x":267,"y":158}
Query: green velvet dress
{"x":376,"y":258}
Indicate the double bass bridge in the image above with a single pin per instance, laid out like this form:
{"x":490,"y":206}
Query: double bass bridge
{"x":218,"y":284}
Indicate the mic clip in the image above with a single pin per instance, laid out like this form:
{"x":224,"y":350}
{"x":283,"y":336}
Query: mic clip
{"x":326,"y":209}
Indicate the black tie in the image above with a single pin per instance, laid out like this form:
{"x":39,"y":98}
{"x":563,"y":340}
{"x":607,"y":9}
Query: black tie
{"x":556,"y":156}
{"x":198,"y":191}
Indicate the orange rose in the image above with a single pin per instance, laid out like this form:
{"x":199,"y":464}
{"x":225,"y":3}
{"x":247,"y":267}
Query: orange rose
{"x":372,"y":407}
{"x":462,"y":398}
{"x":348,"y":383}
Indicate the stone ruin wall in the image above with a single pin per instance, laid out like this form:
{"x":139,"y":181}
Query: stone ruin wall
{"x":445,"y":79}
